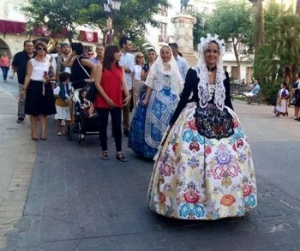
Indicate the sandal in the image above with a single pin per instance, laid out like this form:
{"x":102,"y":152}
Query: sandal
{"x":121,"y":157}
{"x":34,"y":136}
{"x":105,"y":156}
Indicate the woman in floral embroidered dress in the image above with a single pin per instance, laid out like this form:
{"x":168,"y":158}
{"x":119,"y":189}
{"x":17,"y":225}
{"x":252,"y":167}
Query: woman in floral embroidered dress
{"x":204,"y":168}
{"x":154,"y":111}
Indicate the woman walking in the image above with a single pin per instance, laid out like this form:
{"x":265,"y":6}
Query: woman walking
{"x":204,"y":169}
{"x":4,"y":63}
{"x":39,"y":101}
{"x":157,"y":106}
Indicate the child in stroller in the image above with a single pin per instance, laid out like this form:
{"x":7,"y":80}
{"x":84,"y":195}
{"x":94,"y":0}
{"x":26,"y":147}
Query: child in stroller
{"x":86,"y":105}
{"x":85,"y":117}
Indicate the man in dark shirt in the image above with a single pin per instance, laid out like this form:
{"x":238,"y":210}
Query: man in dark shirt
{"x":19,"y":65}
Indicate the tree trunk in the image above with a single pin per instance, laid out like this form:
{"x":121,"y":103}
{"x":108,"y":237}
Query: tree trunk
{"x":235,"y":51}
{"x":297,"y":7}
{"x":258,"y":14}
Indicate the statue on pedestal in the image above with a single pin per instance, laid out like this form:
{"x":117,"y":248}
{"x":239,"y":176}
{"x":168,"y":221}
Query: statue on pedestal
{"x":184,"y":4}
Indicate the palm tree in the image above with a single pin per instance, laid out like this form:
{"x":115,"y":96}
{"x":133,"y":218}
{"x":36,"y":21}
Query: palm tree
{"x":282,"y":46}
{"x":258,"y":16}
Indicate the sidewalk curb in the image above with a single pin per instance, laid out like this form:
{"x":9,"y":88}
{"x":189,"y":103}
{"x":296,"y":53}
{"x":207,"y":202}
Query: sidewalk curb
{"x":17,"y":154}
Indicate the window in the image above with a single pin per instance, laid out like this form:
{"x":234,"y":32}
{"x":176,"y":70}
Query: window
{"x":234,"y":72}
{"x":249,"y":74}
{"x":163,"y":32}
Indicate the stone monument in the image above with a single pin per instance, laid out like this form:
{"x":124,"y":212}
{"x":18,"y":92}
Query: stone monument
{"x":183,"y":36}
{"x":183,"y":5}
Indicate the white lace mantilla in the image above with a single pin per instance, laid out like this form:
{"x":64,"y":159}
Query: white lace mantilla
{"x":204,"y":91}
{"x":158,"y":74}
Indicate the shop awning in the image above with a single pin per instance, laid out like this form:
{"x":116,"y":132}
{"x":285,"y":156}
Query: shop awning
{"x":12,"y":27}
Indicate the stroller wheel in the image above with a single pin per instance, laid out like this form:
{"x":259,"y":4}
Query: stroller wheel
{"x":75,"y":128}
{"x":80,"y":139}
{"x":70,"y":132}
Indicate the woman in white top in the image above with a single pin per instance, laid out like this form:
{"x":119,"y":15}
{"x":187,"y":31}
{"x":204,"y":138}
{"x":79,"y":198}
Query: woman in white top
{"x":39,"y":94}
{"x":136,"y":77}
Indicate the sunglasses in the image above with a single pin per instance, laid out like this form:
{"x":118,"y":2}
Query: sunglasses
{"x":41,"y":49}
{"x":140,"y":56}
{"x":90,"y":54}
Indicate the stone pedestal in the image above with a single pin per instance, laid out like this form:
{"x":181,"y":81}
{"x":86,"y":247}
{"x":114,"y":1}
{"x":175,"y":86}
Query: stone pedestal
{"x":183,"y":36}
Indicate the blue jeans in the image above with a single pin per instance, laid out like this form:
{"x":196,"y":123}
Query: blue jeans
{"x":5,"y":71}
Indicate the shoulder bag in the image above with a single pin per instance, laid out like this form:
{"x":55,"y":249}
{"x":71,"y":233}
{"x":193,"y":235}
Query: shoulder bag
{"x":89,"y":86}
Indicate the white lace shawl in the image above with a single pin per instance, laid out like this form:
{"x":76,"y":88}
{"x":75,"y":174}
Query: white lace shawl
{"x":155,"y":78}
{"x":203,"y":86}
{"x":203,"y":74}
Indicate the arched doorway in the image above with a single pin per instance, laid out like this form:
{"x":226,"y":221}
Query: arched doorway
{"x":4,"y":47}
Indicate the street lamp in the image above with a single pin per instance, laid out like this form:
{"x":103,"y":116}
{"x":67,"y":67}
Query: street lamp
{"x":110,"y":8}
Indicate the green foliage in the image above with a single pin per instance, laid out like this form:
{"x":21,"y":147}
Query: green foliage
{"x":200,"y":28}
{"x":282,"y":47}
{"x":270,"y":89}
{"x":231,"y":20}
{"x":131,"y":19}
{"x":57,"y":15}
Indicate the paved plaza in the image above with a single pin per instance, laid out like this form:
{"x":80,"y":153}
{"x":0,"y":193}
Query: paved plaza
{"x":58,"y":196}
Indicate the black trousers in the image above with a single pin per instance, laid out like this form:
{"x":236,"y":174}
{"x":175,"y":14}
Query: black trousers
{"x":116,"y":117}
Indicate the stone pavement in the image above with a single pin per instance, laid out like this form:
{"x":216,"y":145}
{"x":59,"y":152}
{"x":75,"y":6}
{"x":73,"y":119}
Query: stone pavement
{"x":17,"y":155}
{"x":77,"y":201}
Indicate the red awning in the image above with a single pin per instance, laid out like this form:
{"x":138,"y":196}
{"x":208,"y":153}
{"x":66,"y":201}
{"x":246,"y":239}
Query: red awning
{"x":12,"y":27}
{"x":41,"y":31}
{"x":88,"y":36}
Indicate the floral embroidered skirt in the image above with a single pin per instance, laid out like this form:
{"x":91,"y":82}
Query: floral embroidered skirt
{"x":200,"y":178}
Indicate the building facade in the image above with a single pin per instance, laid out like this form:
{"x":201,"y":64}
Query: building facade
{"x":165,"y":34}
{"x":14,"y":29}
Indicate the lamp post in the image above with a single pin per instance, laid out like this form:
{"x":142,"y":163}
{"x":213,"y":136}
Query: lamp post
{"x":110,"y":8}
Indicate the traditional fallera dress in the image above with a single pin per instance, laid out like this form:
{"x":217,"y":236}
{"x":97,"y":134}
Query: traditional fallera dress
{"x":204,"y":168}
{"x":149,"y":123}
{"x":282,"y":102}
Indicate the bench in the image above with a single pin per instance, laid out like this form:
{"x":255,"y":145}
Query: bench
{"x":237,"y":90}
{"x":256,"y":99}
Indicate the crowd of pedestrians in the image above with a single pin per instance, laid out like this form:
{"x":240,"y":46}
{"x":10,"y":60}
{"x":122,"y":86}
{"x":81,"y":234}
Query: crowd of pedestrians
{"x":182,"y":118}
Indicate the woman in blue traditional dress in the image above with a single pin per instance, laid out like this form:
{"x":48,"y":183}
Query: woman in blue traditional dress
{"x":157,"y":105}
{"x":204,"y":168}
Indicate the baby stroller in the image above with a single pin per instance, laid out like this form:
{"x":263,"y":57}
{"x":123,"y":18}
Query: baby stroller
{"x":83,"y":123}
